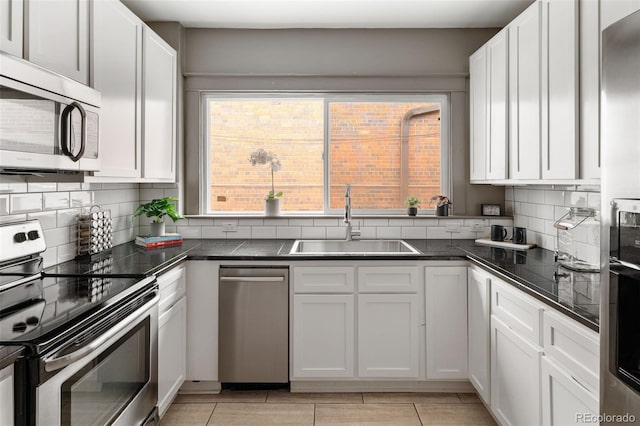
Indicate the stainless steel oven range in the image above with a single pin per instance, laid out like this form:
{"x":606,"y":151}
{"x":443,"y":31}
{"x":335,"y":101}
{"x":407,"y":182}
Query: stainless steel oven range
{"x":90,"y":340}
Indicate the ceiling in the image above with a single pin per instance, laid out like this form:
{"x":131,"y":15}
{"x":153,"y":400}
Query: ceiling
{"x":331,"y":13}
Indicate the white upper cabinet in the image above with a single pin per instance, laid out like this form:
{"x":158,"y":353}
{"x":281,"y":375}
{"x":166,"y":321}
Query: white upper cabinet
{"x":614,"y":10}
{"x":589,"y":89}
{"x":11,"y":26}
{"x":524,"y":94}
{"x":478,"y":114}
{"x":560,"y":89}
{"x":58,"y":37}
{"x":159,"y":109}
{"x":489,"y":91}
{"x":498,"y":101}
{"x":117,"y":73}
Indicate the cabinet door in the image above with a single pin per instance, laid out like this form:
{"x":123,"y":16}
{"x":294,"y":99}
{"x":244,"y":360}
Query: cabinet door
{"x":116,"y":70}
{"x":388,"y":337}
{"x":524,"y":94}
{"x":446,"y":315}
{"x":58,"y":37}
{"x":478,"y":114}
{"x":589,"y":89}
{"x":560,"y":89}
{"x":323,"y":336}
{"x":498,"y":105}
{"x":479,"y":322}
{"x":565,"y":401}
{"x":613,"y":11}
{"x":515,"y":377}
{"x":159,"y":108}
{"x":172,"y":353}
{"x":11,"y":26}
{"x":6,"y":396}
{"x":202,"y":320}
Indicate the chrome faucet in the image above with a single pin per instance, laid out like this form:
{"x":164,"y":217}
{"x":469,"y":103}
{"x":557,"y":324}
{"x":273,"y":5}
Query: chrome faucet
{"x":347,"y":215}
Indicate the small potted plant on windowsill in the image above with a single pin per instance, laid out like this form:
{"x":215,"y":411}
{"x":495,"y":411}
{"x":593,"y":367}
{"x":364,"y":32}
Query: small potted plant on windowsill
{"x":272,"y":201}
{"x":156,"y":210}
{"x":413,"y":203}
{"x":442,"y":204}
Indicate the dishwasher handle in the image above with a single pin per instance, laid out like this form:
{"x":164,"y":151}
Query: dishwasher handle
{"x":253,"y":279}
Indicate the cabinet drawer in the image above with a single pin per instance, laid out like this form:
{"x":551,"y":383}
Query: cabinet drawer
{"x":323,"y":279}
{"x":172,"y":287}
{"x":517,"y":310}
{"x":388,"y":279}
{"x":573,"y":346}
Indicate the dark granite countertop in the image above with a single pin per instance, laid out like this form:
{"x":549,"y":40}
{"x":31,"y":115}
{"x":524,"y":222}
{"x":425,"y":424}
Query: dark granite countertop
{"x":575,"y":294}
{"x":533,"y":271}
{"x":8,"y":355}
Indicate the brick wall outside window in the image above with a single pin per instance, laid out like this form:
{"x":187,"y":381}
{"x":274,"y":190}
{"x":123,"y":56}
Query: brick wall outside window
{"x":364,"y":144}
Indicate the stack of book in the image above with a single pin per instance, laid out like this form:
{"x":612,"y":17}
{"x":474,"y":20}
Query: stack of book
{"x":166,"y":240}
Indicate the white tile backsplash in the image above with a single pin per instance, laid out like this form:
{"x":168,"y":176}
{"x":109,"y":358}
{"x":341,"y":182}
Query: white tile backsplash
{"x":24,"y":203}
{"x":56,"y":205}
{"x":538,"y":209}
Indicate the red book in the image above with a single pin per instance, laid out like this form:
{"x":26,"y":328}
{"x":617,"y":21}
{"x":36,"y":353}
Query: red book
{"x":161,"y":244}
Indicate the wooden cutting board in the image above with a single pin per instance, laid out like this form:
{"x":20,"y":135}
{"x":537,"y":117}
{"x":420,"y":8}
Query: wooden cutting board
{"x":504,"y":244}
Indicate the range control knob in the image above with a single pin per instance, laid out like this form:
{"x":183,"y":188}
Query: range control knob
{"x":20,"y":237}
{"x":33,"y":235}
{"x":32,"y":321}
{"x":19,"y":327}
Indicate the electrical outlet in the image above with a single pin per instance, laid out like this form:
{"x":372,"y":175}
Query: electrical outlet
{"x":477,"y":225}
{"x":452,"y":227}
{"x":229,"y":227}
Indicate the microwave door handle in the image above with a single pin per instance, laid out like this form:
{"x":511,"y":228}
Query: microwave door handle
{"x":67,"y":130}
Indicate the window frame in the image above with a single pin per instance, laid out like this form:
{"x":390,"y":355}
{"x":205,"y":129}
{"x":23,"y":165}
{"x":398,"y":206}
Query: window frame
{"x":443,"y":98}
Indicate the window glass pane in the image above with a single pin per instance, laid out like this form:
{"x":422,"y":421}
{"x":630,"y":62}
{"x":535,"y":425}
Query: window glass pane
{"x":365,"y":145}
{"x":291,"y":128}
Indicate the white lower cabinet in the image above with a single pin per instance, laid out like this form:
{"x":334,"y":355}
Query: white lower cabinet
{"x":446,"y":322}
{"x":388,"y":335}
{"x":327,"y":328}
{"x":515,"y":376}
{"x":172,"y":353}
{"x":323,"y":336}
{"x":6,"y":396}
{"x":202,"y":320}
{"x":565,"y":401}
{"x":172,"y":337}
{"x":479,"y":324}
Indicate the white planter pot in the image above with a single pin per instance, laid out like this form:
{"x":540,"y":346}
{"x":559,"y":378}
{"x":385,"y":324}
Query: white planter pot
{"x":157,"y":229}
{"x":272,"y":207}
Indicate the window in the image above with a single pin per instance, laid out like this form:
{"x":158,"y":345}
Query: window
{"x":387,"y":147}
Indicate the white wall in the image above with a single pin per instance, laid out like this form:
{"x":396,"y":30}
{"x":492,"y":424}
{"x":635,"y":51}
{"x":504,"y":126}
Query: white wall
{"x":56,"y":205}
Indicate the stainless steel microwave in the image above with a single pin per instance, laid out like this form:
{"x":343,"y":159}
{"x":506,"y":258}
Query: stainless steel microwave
{"x":47,"y":122}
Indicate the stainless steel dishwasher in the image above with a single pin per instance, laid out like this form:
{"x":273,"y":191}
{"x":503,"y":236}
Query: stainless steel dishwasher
{"x":254,"y":325}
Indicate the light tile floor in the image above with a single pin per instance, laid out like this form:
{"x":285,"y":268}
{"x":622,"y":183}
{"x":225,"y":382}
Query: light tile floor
{"x":280,"y":407}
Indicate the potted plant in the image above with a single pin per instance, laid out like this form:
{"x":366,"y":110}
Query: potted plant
{"x":413,"y":203}
{"x":272,"y":200}
{"x":442,"y":204}
{"x":156,"y":210}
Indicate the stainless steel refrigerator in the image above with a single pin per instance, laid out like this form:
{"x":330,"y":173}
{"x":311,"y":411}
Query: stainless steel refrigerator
{"x":620,"y":236}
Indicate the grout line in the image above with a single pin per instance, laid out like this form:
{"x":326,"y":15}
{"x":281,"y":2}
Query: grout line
{"x":215,"y":405}
{"x":314,"y":413}
{"x":417,"y":414}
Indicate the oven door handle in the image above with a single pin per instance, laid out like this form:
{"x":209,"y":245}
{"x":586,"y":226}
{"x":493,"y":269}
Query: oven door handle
{"x":53,"y":364}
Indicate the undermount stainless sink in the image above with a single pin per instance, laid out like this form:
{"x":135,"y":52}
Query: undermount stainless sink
{"x":343,"y":247}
